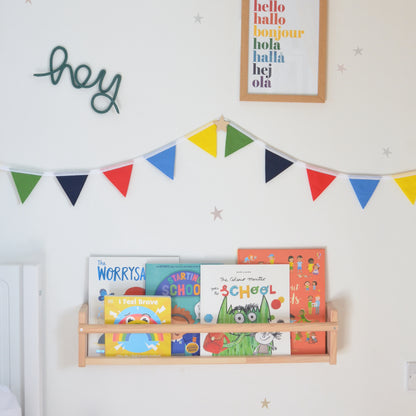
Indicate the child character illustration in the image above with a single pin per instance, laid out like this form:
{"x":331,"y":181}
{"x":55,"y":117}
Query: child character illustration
{"x":250,"y":259}
{"x":291,"y":261}
{"x":314,"y":284}
{"x":315,"y":268}
{"x":310,"y":265}
{"x":138,"y":343}
{"x":317,"y":304}
{"x":307,"y":284}
{"x":232,"y":343}
{"x":271,"y":258}
{"x":313,"y":339}
{"x":310,"y":304}
{"x":299,"y":262}
{"x":183,"y":344}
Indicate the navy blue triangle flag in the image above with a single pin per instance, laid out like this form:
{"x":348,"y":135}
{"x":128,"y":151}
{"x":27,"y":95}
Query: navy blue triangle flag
{"x":165,"y":161}
{"x":275,"y":165}
{"x":72,"y":185}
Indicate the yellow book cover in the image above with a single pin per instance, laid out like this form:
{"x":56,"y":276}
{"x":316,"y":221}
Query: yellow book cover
{"x":137,"y":310}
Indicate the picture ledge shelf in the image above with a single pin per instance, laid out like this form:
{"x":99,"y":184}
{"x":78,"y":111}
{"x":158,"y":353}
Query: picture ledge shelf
{"x":331,"y":326}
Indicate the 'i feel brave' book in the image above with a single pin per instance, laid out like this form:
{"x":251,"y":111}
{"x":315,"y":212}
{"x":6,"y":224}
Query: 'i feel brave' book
{"x":142,"y":310}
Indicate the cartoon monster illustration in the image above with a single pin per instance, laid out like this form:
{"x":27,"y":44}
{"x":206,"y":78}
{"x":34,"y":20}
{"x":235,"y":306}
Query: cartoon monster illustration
{"x":232,"y":343}
{"x":137,"y":343}
{"x":266,"y":341}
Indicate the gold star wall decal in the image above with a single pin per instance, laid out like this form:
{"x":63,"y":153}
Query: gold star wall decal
{"x":221,"y":124}
{"x":265,"y":403}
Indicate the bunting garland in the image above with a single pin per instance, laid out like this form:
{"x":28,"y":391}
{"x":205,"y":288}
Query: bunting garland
{"x":72,"y":185}
{"x":275,"y":162}
{"x":25,"y":183}
{"x":165,"y":161}
{"x":120,"y":178}
{"x":408,"y":185}
{"x":364,"y":189}
{"x":318,"y":181}
{"x":206,"y":140}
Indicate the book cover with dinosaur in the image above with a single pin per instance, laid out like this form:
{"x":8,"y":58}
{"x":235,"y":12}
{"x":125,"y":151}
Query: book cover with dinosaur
{"x":127,"y":310}
{"x":245,"y":294}
{"x":182,"y":283}
{"x":307,"y":290}
{"x":114,"y":275}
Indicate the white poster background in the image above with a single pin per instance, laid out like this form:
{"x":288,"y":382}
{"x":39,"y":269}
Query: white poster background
{"x":298,"y":74}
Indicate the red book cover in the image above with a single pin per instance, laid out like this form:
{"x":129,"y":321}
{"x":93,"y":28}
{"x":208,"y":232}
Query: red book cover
{"x":307,"y":290}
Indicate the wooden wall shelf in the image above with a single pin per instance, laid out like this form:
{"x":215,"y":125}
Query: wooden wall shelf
{"x":331,"y":326}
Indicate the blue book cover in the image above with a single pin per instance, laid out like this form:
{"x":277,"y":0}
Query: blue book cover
{"x":182,"y":283}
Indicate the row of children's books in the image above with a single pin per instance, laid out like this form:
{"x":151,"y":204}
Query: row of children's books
{"x":266,"y":286}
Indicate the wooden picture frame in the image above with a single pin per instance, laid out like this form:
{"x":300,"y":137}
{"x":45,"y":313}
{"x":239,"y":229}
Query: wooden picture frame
{"x":283,"y":50}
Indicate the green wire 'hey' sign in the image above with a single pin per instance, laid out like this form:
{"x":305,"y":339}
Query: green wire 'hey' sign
{"x":80,"y":78}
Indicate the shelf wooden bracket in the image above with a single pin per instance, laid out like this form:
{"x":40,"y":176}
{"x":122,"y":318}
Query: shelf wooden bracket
{"x":331,"y":327}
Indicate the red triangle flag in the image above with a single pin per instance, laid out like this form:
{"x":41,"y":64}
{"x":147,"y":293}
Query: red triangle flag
{"x":120,"y":178}
{"x":318,"y":182}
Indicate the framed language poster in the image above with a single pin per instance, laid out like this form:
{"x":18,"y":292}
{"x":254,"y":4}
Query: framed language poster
{"x":283,"y":50}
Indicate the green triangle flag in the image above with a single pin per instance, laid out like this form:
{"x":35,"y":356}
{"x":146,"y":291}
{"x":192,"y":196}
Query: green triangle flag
{"x":25,"y":182}
{"x":235,"y":140}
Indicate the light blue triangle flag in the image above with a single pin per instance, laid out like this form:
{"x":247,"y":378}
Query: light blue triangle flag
{"x":165,"y":161}
{"x":364,"y":189}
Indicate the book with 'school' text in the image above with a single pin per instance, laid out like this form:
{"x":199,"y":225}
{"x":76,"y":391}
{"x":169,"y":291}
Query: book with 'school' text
{"x":245,"y":294}
{"x":182,"y":283}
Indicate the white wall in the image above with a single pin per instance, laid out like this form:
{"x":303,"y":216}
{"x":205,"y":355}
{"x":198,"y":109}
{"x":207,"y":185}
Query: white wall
{"x":178,"y":75}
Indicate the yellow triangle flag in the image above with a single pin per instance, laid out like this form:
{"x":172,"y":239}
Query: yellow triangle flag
{"x":408,"y":186}
{"x":206,"y":140}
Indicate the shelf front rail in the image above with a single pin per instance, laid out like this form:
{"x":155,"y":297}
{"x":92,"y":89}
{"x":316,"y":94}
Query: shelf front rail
{"x":330,"y":327}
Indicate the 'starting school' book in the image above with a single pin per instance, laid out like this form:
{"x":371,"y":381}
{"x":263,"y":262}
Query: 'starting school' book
{"x":114,"y":275}
{"x":126,"y":310}
{"x":307,"y":290}
{"x":182,"y":283}
{"x":245,"y":294}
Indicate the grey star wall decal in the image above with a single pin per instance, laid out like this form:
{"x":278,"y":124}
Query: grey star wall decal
{"x":341,"y":68}
{"x":217,"y":213}
{"x":358,"y":51}
{"x":386,"y":151}
{"x":198,"y":18}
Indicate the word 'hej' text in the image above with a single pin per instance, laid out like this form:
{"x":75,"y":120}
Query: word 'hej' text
{"x":103,"y":100}
{"x":266,"y":40}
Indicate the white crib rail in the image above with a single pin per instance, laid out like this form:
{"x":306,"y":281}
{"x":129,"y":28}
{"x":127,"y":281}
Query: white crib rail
{"x":20,"y":367}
